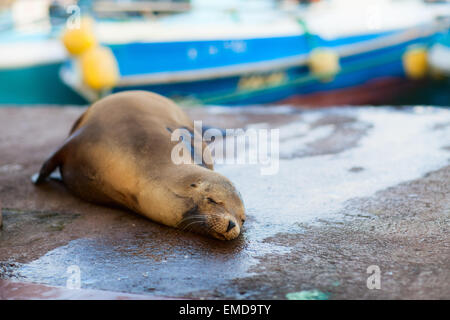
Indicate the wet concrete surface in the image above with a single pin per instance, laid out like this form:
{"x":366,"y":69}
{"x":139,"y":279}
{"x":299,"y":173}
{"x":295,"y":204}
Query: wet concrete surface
{"x":356,"y":187}
{"x":14,"y":290}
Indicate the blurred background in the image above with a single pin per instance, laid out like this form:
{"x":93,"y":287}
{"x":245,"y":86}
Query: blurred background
{"x":234,"y":52}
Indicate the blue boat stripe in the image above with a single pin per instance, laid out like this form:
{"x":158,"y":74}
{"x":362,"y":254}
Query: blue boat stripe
{"x":278,"y":64}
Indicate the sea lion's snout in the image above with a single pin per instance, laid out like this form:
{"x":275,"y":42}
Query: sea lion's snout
{"x":213,"y":223}
{"x":233,"y":230}
{"x":223,"y":227}
{"x":231,"y":225}
{"x":224,"y":208}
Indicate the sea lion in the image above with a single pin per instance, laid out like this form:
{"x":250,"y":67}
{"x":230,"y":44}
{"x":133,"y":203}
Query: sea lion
{"x":119,"y":153}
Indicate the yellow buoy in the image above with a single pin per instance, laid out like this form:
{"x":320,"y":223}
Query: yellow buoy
{"x":324,"y":63}
{"x":79,"y":39}
{"x":415,"y":62}
{"x":99,"y":68}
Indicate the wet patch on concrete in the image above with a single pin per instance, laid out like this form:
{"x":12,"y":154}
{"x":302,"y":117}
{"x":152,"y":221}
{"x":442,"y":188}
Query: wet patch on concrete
{"x":11,"y":167}
{"x":26,"y":229}
{"x":313,"y":188}
{"x":8,"y":269}
{"x":356,"y":169}
{"x":408,"y":240}
{"x":163,"y":270}
{"x":325,"y":133}
{"x":14,"y":290}
{"x":440,"y":126}
{"x":17,"y":219}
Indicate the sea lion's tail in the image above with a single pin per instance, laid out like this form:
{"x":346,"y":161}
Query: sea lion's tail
{"x":37,"y":178}
{"x":47,"y":169}
{"x":54,"y":161}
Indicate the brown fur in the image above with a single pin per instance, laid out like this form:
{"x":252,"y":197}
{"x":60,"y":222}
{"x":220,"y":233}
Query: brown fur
{"x":119,"y":152}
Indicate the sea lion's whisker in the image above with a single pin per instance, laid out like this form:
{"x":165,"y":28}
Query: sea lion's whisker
{"x":187,"y":224}
{"x":188,"y":221}
{"x":196,"y":217}
{"x":192,"y":221}
{"x":192,"y":224}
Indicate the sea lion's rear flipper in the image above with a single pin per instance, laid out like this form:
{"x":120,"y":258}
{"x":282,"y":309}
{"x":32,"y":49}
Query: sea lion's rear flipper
{"x":48,"y":167}
{"x":54,"y":162}
{"x":55,"y":175}
{"x":56,"y":158}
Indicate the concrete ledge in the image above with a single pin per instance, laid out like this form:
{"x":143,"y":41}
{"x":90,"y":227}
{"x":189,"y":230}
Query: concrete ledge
{"x":10,"y":290}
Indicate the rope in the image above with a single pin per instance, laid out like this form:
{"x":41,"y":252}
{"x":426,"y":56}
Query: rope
{"x":311,"y":38}
{"x":356,"y":66}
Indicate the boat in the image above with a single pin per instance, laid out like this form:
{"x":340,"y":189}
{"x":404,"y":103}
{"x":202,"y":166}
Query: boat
{"x":236,"y":59}
{"x":439,"y":56}
{"x":241,"y":53}
{"x":437,"y":90}
{"x":114,"y":8}
{"x":31,"y":55}
{"x":31,"y":51}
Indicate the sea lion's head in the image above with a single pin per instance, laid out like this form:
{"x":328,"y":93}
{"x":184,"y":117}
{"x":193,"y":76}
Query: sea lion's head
{"x":214,"y":206}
